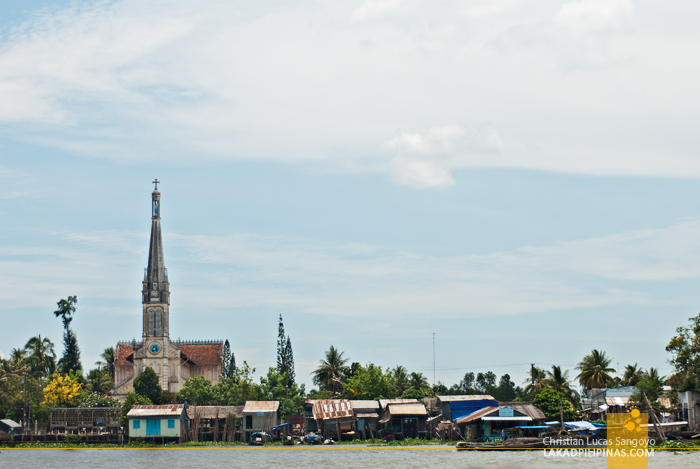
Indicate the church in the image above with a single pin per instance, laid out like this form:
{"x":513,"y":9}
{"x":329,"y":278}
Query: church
{"x":173,"y":361}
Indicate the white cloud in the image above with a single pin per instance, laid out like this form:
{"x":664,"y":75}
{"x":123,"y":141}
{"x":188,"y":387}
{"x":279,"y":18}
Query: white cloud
{"x":424,"y":159}
{"x":594,"y":15}
{"x":371,"y":8}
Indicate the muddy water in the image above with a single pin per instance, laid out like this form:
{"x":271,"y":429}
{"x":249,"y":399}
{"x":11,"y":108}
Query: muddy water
{"x":311,"y":457}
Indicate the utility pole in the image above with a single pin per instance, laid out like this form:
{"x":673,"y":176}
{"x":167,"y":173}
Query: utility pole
{"x":532,"y":376}
{"x":433,"y":359}
{"x":24,"y":409}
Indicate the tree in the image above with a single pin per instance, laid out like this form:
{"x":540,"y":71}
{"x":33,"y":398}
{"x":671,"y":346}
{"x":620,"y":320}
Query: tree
{"x":651,"y":384}
{"x":328,"y":375}
{"x":107,"y":362}
{"x":400,"y":379}
{"x":63,"y":391}
{"x":228,"y":364}
{"x":536,"y":382}
{"x":275,"y":388}
{"x":549,"y":402}
{"x":558,"y":380}
{"x":484,"y":381}
{"x":506,"y":389}
{"x":285,"y":355}
{"x":594,"y":370}
{"x":370,"y":382}
{"x":42,"y":357}
{"x":632,"y":375}
{"x":418,"y":382}
{"x":132,"y":399}
{"x":96,"y":399}
{"x":685,"y":351}
{"x":70,"y":361}
{"x":98,"y":381}
{"x":147,"y":384}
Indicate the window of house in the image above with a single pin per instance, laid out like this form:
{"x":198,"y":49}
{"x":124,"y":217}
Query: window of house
{"x":137,"y":424}
{"x":171,"y":423}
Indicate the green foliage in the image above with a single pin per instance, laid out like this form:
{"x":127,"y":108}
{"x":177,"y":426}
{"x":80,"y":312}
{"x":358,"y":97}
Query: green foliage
{"x":228,"y":365}
{"x":96,"y":399}
{"x":549,"y":400}
{"x":685,"y":351}
{"x":147,"y":384}
{"x":594,"y":370}
{"x":412,"y":394}
{"x":228,"y":391}
{"x":108,"y":357}
{"x":41,"y":356}
{"x":319,"y":395}
{"x":71,"y":352}
{"x":285,"y":356}
{"x":370,"y":382}
{"x":331,"y":371}
{"x":98,"y":381}
{"x":131,"y":400}
{"x":274,"y":388}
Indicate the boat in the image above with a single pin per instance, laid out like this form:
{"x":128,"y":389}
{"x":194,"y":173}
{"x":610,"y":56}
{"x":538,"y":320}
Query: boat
{"x":511,"y":444}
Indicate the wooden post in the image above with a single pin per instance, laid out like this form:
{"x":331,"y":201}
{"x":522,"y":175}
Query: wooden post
{"x":652,"y":414}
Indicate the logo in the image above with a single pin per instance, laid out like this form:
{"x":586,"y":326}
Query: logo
{"x":155,"y":348}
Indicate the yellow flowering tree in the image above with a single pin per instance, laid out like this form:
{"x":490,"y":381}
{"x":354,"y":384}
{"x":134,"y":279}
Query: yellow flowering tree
{"x":63,"y":391}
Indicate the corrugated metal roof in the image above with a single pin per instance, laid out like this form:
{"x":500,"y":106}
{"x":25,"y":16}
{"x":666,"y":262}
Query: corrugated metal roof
{"x":364,"y":404}
{"x":385,"y":402}
{"x":477,"y":415}
{"x":478,"y":397}
{"x":11,"y":423}
{"x":209,"y":411}
{"x":332,"y":409}
{"x":407,"y":409}
{"x":621,"y":401}
{"x":524,"y":407}
{"x":261,"y":406}
{"x":367,"y":416}
{"x":172,"y":410}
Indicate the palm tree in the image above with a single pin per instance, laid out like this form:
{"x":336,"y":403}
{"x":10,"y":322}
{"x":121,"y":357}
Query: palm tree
{"x":42,"y":357}
{"x":559,"y":381}
{"x":98,"y":380}
{"x":328,"y":375}
{"x":594,"y":370}
{"x":400,"y":379}
{"x":537,"y":380}
{"x":418,"y":382}
{"x":108,"y":361}
{"x":632,"y":375}
{"x":16,"y":365}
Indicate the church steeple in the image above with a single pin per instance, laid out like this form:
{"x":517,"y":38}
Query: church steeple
{"x":156,"y":288}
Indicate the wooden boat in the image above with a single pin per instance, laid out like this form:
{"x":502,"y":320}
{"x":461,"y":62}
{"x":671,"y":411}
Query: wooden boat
{"x":511,"y":444}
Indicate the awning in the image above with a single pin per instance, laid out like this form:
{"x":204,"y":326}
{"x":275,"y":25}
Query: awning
{"x":517,"y":418}
{"x":534,"y":427}
{"x":367,"y":416}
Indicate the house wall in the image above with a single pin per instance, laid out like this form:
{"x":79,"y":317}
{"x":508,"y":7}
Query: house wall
{"x":164,"y":430}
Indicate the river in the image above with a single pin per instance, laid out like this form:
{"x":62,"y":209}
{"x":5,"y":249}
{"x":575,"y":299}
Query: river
{"x":311,"y":457}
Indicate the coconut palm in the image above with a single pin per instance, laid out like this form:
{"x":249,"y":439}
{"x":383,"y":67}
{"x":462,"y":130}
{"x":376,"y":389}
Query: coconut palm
{"x":594,"y":370}
{"x":632,"y":375}
{"x":418,"y":382}
{"x":559,"y":381}
{"x":41,"y":356}
{"x":537,"y":380}
{"x":400,"y":379}
{"x":107,"y":362}
{"x":98,"y":380}
{"x":328,"y":375}
{"x":16,"y":365}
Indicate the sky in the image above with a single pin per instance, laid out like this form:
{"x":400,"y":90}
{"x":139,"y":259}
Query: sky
{"x":519,"y":179}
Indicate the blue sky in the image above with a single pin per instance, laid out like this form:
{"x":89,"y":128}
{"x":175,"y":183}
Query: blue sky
{"x":520,"y":180}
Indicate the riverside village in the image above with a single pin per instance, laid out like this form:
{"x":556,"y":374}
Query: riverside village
{"x":157,"y":390}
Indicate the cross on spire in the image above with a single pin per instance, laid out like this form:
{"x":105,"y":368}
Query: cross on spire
{"x":156,"y":183}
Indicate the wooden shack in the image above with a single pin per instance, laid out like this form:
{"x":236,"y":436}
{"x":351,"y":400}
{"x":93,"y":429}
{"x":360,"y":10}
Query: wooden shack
{"x":85,"y":419}
{"x":215,"y":423}
{"x":404,"y":420}
{"x":455,"y":407}
{"x":260,"y":416}
{"x":160,"y":422}
{"x":492,"y":421}
{"x":366,"y":417}
{"x":334,"y":418}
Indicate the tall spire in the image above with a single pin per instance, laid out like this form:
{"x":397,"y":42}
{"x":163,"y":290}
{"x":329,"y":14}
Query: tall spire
{"x":156,"y":288}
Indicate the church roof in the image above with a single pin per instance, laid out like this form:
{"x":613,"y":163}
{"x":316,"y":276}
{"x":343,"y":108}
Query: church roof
{"x":124,"y":355}
{"x":202,"y":354}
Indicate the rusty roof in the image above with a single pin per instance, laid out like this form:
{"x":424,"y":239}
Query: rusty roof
{"x":124,"y":355}
{"x":209,"y":354}
{"x":209,"y":411}
{"x":170,"y":410}
{"x":401,"y":409}
{"x":261,"y":406}
{"x":332,"y":409}
{"x":385,"y":402}
{"x":476,"y":397}
{"x":476,"y":415}
{"x":364,"y":405}
{"x":524,"y":407}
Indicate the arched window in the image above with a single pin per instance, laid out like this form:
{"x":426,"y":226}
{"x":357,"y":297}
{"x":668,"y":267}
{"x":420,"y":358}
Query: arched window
{"x":151,"y":322}
{"x":159,"y":322}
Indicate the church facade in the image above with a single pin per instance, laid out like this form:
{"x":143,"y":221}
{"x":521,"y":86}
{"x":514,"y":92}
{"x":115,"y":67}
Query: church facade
{"x":173,"y":361}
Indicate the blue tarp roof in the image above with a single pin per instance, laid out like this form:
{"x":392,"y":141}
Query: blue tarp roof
{"x":535,"y":427}
{"x":460,"y":409}
{"x":280,"y":426}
